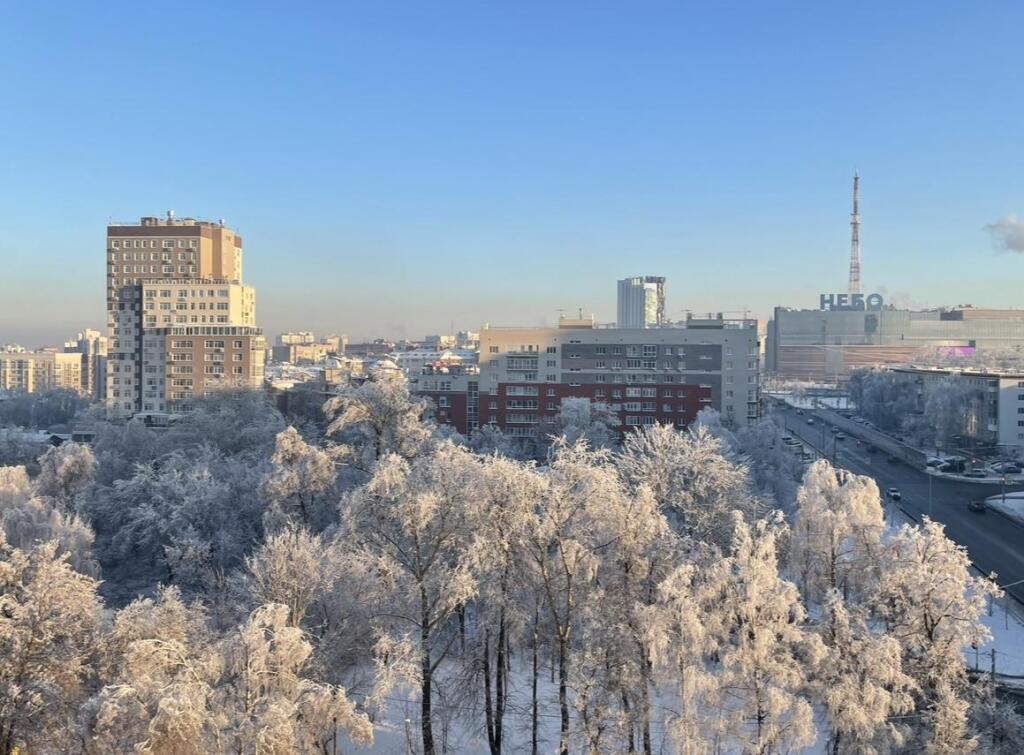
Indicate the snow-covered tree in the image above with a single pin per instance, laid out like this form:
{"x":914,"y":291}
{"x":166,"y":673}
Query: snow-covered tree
{"x":377,"y":418}
{"x":49,"y":619}
{"x":300,"y":484}
{"x":691,"y":477}
{"x":28,"y":521}
{"x":560,"y":549}
{"x":411,"y":522}
{"x":583,"y":419}
{"x":489,"y":439}
{"x":498,"y":519}
{"x":293,"y":568}
{"x":766,"y":656}
{"x":836,"y":538}
{"x":65,"y":472}
{"x":177,"y":688}
{"x":861,"y":681}
{"x":236,"y":423}
{"x":933,"y":605}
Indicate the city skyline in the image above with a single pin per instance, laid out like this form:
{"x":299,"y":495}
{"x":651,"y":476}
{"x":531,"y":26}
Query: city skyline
{"x":394,"y":164}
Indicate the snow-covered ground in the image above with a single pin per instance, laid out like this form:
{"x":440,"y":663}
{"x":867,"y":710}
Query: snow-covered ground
{"x":1012,"y":505}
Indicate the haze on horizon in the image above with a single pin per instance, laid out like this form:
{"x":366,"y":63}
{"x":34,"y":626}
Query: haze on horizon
{"x":395,"y":169}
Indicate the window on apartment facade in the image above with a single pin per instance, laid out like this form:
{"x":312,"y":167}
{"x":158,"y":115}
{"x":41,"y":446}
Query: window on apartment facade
{"x":552,"y":350}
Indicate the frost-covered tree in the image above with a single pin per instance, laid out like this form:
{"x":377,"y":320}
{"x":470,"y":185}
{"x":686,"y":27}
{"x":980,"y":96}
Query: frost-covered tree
{"x":766,"y":656}
{"x":489,"y":439}
{"x":583,"y":419}
{"x":300,"y":484}
{"x":65,"y":472}
{"x":177,"y":688}
{"x":631,"y":563}
{"x":192,"y":502}
{"x":837,"y":530}
{"x":377,"y":418}
{"x":560,"y":550}
{"x":236,"y":423}
{"x":861,"y":681}
{"x":411,"y":523}
{"x":293,"y":568}
{"x":49,"y":619}
{"x":28,"y":521}
{"x":498,"y":519}
{"x":933,"y":606}
{"x":691,"y":477}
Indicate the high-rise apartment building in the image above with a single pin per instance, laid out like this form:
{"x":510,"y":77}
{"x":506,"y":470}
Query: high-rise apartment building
{"x":180,"y":322}
{"x":641,"y":302}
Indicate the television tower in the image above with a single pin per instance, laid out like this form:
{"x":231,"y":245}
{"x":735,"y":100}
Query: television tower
{"x":855,"y":237}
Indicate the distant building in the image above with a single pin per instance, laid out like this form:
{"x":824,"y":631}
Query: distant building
{"x":92,"y":346}
{"x":641,"y":302}
{"x":1000,"y":421}
{"x":302,"y":338}
{"x":647,"y":376}
{"x":36,"y":371}
{"x":439,"y":343}
{"x":180,"y":321}
{"x":303,"y":348}
{"x":824,"y":345}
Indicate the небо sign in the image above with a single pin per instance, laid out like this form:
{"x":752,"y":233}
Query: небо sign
{"x":851,"y":302}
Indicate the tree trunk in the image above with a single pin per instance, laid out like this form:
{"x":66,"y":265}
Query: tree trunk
{"x":563,"y":694}
{"x":629,"y":717}
{"x":488,"y":710}
{"x":533,"y":691}
{"x":645,"y":704}
{"x":426,"y":675}
{"x":500,"y":685}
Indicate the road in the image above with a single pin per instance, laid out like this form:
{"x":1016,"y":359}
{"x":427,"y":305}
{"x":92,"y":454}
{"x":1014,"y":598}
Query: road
{"x":994,"y":542}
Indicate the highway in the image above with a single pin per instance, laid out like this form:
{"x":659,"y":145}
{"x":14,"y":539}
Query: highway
{"x":993,"y":541}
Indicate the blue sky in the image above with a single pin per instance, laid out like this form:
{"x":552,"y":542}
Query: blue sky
{"x":395,"y":167}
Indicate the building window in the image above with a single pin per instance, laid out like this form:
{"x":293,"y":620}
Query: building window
{"x":552,"y":349}
{"x":493,"y":349}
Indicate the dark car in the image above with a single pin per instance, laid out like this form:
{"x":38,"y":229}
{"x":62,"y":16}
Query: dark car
{"x":977,"y":506}
{"x":799,"y":411}
{"x":840,"y":436}
{"x":893,"y":460}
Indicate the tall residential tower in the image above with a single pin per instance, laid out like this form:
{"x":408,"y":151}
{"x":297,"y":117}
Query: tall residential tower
{"x":641,"y":302}
{"x":180,"y":322}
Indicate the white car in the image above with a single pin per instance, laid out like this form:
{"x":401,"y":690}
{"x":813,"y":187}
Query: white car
{"x":894,"y":493}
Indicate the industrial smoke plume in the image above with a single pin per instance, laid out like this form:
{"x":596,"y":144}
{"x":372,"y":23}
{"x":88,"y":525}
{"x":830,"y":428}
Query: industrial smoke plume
{"x":1007,"y":234}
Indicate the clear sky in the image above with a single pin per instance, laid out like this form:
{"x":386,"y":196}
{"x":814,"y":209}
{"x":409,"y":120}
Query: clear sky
{"x":395,"y":167}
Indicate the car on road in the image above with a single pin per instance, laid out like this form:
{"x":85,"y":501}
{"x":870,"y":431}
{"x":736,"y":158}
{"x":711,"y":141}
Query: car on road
{"x":834,"y":429}
{"x":934,"y":461}
{"x":799,"y":411}
{"x":977,"y":507}
{"x":840,"y":436}
{"x":810,"y":421}
{"x":893,"y":460}
{"x":1006,"y":467}
{"x":894,"y":493}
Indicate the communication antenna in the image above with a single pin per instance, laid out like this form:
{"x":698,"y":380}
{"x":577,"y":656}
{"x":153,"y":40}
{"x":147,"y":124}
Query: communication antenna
{"x":855,"y":237}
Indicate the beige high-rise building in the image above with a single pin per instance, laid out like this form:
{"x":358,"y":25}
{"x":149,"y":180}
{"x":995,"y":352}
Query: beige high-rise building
{"x":180,"y":321}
